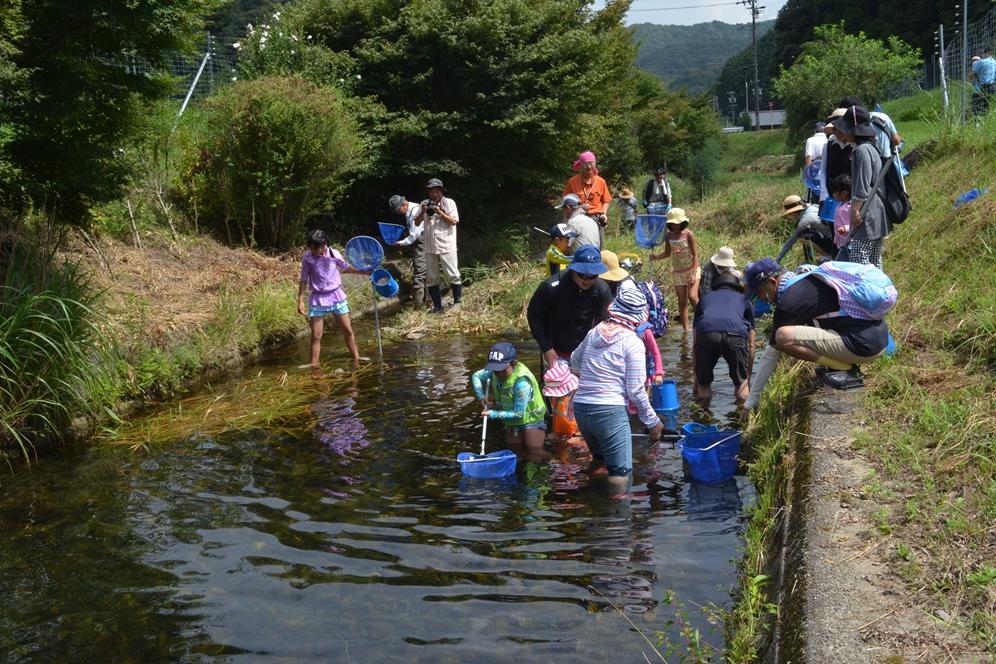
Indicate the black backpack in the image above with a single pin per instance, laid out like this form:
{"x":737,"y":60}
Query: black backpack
{"x":891,"y":190}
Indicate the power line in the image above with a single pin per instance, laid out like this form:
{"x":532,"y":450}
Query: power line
{"x":667,"y":9}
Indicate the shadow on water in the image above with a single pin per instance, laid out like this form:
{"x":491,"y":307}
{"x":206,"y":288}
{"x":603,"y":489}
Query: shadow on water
{"x":345,"y":532}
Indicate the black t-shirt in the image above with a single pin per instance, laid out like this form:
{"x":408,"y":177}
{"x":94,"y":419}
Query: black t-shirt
{"x":838,"y":159}
{"x":724,"y":310}
{"x":808,"y":298}
{"x":560,"y":314}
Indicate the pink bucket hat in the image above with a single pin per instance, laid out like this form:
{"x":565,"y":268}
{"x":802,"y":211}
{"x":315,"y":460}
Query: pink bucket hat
{"x":584,"y":157}
{"x":558,"y":381}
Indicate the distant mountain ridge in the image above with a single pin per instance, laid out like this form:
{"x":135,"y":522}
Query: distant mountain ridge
{"x":691,"y":56}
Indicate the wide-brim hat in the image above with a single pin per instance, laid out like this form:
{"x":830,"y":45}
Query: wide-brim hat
{"x":625,"y":192}
{"x":587,"y":259}
{"x":723,"y":258}
{"x":614,"y":272}
{"x":676,"y":216}
{"x":792,"y":204}
{"x":856,"y":120}
{"x":558,"y":381}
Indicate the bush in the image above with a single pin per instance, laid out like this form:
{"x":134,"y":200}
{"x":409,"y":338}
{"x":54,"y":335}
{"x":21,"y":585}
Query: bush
{"x":836,"y":64}
{"x":48,"y":341}
{"x":272,"y":151}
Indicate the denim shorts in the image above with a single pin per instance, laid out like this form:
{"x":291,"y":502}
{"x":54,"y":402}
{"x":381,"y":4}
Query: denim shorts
{"x":531,"y":425}
{"x":338,"y":309}
{"x":606,"y":431}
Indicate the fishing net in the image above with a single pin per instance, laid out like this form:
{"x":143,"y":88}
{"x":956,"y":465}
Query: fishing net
{"x":391,"y":233}
{"x":649,"y":228}
{"x":811,"y":175}
{"x":364,"y":252}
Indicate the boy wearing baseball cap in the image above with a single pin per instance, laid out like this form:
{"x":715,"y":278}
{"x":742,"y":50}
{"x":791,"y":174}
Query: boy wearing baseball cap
{"x":508,"y":391}
{"x":558,"y":255}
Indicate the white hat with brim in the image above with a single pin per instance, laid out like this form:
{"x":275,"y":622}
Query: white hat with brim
{"x":723,"y":258}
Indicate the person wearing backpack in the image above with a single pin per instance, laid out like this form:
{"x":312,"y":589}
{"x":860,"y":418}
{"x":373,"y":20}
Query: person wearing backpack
{"x":816,"y":322}
{"x":869,"y":225}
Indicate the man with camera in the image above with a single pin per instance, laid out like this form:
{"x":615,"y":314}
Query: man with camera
{"x":440,"y":217}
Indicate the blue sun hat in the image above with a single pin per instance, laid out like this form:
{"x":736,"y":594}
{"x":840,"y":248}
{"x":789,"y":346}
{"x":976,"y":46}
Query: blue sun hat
{"x":587,"y":259}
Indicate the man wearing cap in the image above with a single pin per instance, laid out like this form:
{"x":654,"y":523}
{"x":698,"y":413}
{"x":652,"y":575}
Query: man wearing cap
{"x":565,"y":306}
{"x":808,"y":225}
{"x":721,"y":262}
{"x":518,"y":401}
{"x":814,"y":144}
{"x":724,"y":327}
{"x":558,"y":255}
{"x":808,"y":324}
{"x":869,"y":225}
{"x":657,"y":189}
{"x":441,"y":217}
{"x":577,"y":219}
{"x":400,"y":205}
{"x":592,"y":190}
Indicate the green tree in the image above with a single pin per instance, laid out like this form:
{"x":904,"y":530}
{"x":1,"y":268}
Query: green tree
{"x":836,"y":64}
{"x":77,"y":99}
{"x":273,"y":151}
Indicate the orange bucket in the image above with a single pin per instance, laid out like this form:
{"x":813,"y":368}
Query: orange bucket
{"x":563,"y":423}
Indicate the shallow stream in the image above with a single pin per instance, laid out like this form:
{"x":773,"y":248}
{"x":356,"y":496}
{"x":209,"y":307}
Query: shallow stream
{"x":331,"y":523}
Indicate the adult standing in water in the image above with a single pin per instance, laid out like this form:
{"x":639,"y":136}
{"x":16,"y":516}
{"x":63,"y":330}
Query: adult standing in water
{"x":440,"y":216}
{"x":612,"y":369}
{"x":566,"y":305}
{"x":592,"y":190}
{"x":410,"y":211}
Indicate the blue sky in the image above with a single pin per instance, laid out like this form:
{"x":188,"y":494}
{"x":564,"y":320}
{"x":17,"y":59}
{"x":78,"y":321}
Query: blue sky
{"x":648,"y":11}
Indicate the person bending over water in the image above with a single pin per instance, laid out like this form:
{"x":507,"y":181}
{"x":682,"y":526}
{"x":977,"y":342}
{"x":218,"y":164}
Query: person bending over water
{"x":517,"y":399}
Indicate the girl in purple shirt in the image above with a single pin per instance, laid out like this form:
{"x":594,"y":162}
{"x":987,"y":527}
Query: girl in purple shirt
{"x":321,"y":270}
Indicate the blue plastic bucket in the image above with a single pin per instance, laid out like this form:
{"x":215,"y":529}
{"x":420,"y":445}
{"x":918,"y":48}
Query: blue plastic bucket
{"x":890,"y":347}
{"x":694,"y":427}
{"x":489,"y":466}
{"x":828,"y":209}
{"x":711,"y":455}
{"x":664,"y":396}
{"x":391,"y":233}
{"x":384,"y":283}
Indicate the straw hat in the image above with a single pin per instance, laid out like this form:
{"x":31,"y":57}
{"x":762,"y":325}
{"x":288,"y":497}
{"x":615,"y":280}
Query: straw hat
{"x":723,"y":258}
{"x":611,"y":261}
{"x":792,"y":204}
{"x":676,"y":216}
{"x":625,"y":192}
{"x":558,"y":381}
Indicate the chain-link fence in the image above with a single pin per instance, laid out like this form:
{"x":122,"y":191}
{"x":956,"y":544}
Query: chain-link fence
{"x":209,"y":65}
{"x":953,"y":58}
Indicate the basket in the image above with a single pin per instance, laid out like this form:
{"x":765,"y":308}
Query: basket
{"x":648,"y":229}
{"x":711,"y":455}
{"x":384,"y":283}
{"x":391,"y":233}
{"x":489,"y":466}
{"x":694,"y":427}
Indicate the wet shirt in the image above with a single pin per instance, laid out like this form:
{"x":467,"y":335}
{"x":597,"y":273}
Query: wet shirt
{"x":323,"y":277}
{"x":724,"y":310}
{"x":560,"y":313}
{"x":806,"y":299}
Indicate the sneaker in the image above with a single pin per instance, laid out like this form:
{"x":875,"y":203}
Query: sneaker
{"x":844,"y":380}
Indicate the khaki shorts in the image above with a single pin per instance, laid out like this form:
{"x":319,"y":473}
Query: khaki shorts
{"x":828,"y":344}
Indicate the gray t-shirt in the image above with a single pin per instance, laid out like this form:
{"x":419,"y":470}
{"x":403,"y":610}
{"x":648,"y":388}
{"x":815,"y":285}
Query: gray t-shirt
{"x":866,"y":161}
{"x":586,"y":228}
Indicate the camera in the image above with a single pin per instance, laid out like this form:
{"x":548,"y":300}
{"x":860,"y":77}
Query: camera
{"x":431,"y":207}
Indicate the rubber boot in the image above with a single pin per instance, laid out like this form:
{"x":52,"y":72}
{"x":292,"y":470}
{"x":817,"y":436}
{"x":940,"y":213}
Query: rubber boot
{"x":437,"y":299}
{"x":457,"y":293}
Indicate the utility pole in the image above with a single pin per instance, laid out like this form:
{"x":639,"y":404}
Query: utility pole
{"x":755,"y":12}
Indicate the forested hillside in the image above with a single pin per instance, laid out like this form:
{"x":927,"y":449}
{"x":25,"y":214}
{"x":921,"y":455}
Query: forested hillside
{"x":690,"y":56}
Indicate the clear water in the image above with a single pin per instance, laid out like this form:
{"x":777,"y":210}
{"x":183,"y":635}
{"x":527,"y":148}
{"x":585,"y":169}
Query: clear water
{"x":352,"y":536}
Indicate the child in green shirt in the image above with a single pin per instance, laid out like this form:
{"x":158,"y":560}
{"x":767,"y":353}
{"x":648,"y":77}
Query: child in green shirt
{"x":518,"y":401}
{"x":559,"y":253}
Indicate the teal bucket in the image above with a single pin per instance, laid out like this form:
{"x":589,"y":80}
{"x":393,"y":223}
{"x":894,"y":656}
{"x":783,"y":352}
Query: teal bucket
{"x":384,"y":283}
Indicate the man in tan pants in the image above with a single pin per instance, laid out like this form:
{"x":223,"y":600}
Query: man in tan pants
{"x":440,"y":216}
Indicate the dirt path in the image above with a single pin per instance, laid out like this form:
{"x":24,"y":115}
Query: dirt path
{"x":858,"y":610}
